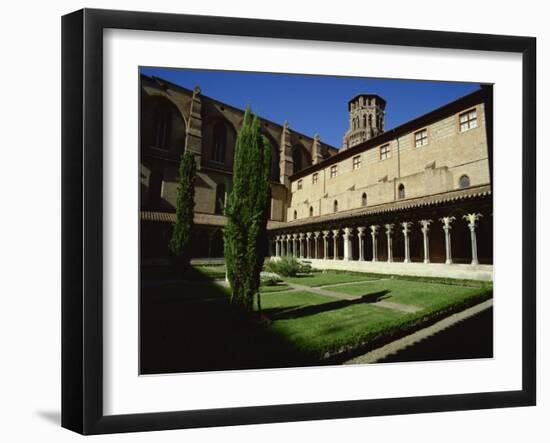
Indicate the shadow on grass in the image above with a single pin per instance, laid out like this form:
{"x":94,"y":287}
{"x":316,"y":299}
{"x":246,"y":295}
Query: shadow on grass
{"x":192,"y":327}
{"x":299,"y":312}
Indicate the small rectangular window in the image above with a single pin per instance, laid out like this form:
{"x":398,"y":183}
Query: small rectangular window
{"x":384,"y":152}
{"x":333,"y":171}
{"x":299,"y":184}
{"x":421,"y":138}
{"x":315,"y":178}
{"x":468,"y":120}
{"x":356,"y":162}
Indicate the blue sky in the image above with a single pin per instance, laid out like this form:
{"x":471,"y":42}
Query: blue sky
{"x":315,"y":104}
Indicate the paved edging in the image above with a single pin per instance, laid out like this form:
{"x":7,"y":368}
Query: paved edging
{"x":411,"y":339}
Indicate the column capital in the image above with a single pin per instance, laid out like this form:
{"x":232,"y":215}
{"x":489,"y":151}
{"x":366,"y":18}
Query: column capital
{"x":447,"y":222}
{"x":335,"y":232}
{"x":316,"y":234}
{"x":425,"y":224}
{"x":374,"y":229}
{"x":472,"y":219}
{"x":360,"y":231}
{"x":308,"y":234}
{"x":406,"y":227}
{"x":326,"y":234}
{"x":301,"y":235}
{"x":389,"y":228}
{"x":295,"y":236}
{"x":348,"y":232}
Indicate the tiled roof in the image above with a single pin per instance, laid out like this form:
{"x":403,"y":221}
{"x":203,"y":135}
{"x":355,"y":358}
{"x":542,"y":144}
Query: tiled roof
{"x":400,"y":205}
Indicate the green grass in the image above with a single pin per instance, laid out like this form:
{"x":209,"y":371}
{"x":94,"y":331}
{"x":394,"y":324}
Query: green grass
{"x":274,"y":288}
{"x":190,"y":326}
{"x":327,"y":278}
{"x":323,"y":326}
{"x":421,"y":294}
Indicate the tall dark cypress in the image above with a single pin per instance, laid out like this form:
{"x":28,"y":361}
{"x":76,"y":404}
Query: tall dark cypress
{"x":180,"y":243}
{"x":246,"y":212}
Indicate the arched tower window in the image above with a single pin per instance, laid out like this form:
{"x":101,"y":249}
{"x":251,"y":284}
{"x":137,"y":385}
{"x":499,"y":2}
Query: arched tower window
{"x":364,"y":120}
{"x":295,"y":215}
{"x":370,"y":120}
{"x":163,"y":125}
{"x":220,"y":143}
{"x":220,"y":198}
{"x":311,"y":211}
{"x":464,"y":182}
{"x":401,"y":191}
{"x":364,"y":199}
{"x":335,"y":206}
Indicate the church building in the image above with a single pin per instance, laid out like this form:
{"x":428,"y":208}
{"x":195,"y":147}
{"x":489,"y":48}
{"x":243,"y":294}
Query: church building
{"x":413,"y":200}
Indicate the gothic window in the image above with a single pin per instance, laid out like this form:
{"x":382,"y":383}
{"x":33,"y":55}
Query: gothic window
{"x":163,"y":126}
{"x":311,"y":211}
{"x":401,"y":191}
{"x":421,"y":138}
{"x":364,"y":120}
{"x":315,"y":178}
{"x":220,"y":142}
{"x":155,"y":188}
{"x":301,"y":158}
{"x":464,"y":182}
{"x":299,"y":185}
{"x":384,"y":152}
{"x":468,"y":120}
{"x":370,"y":120}
{"x":335,"y":206}
{"x":364,"y":199}
{"x":333,"y":171}
{"x":220,"y":198}
{"x":295,"y":215}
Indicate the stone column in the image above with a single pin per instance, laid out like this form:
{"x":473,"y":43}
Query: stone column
{"x":335,"y":233}
{"x":288,"y":240}
{"x":348,"y":245}
{"x":295,"y":245}
{"x":276,"y":246}
{"x":472,"y":224}
{"x":316,"y":244}
{"x":406,"y":230}
{"x":325,"y":244}
{"x":360,"y":237}
{"x":301,"y":244}
{"x":447,"y":228}
{"x":389,"y":232}
{"x":374,"y":235}
{"x":425,"y":229}
{"x":308,"y":241}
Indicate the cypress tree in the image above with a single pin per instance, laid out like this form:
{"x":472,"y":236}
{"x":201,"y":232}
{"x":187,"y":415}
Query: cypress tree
{"x":246,"y":212}
{"x":185,"y":203}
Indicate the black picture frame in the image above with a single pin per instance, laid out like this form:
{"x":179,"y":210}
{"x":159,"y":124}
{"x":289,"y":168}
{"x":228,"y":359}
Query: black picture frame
{"x":82,"y":218}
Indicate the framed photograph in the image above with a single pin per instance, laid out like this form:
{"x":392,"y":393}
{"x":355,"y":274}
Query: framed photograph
{"x":269,"y":221}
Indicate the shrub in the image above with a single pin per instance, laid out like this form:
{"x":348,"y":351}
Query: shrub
{"x":287,"y":267}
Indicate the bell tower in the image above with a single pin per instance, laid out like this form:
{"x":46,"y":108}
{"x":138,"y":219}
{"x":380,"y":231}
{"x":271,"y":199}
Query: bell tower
{"x":366,"y":119}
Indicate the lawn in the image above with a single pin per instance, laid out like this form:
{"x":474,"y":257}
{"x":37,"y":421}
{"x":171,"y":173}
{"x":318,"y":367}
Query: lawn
{"x":190,"y":326}
{"x":326,"y":278}
{"x":421,"y":294}
{"x":323,"y":326}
